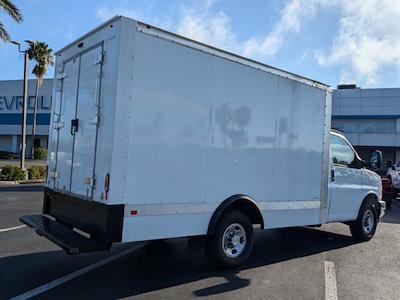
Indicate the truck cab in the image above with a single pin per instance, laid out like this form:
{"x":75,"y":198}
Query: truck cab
{"x":351,"y":184}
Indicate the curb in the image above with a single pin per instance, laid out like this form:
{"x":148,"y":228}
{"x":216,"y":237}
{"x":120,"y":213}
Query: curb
{"x":22,"y":182}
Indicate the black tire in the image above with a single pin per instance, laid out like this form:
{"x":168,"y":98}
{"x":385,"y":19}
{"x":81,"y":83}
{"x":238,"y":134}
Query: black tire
{"x":214,"y":248}
{"x":358,"y":228}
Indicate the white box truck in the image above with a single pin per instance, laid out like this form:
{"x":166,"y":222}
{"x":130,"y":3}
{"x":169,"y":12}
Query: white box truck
{"x":156,"y":136}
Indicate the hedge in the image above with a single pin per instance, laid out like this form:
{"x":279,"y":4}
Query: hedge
{"x":14,"y":173}
{"x":37,"y":172}
{"x":40,"y":153}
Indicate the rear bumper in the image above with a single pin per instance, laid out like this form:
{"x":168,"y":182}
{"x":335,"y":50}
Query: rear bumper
{"x":103,"y":222}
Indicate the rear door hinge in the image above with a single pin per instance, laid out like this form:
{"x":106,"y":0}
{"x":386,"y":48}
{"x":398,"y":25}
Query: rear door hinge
{"x":54,"y":174}
{"x":94,"y":120}
{"x":90,"y":181}
{"x":58,"y":125}
{"x":61,"y":75}
{"x":99,"y":59}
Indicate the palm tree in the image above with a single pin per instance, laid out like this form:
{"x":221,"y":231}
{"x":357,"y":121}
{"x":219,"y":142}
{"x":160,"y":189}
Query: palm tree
{"x":13,"y":12}
{"x":43,"y":55}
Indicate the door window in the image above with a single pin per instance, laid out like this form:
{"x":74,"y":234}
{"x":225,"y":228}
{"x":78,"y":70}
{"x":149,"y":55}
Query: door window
{"x":341,"y":152}
{"x":36,"y":143}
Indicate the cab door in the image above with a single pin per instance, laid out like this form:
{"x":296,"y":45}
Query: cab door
{"x":345,"y":181}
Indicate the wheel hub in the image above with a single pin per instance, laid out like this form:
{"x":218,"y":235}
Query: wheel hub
{"x":368,"y":221}
{"x":234,"y":240}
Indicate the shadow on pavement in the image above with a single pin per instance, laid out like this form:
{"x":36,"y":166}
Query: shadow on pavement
{"x":37,"y":187}
{"x":392,"y":215}
{"x":176,"y":262}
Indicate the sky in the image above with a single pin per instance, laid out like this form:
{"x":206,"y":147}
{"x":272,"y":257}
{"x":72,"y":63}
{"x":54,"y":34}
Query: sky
{"x":332,"y":41}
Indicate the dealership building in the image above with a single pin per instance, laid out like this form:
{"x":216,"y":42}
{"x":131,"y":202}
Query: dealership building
{"x":370,"y":118}
{"x":11,"y":100}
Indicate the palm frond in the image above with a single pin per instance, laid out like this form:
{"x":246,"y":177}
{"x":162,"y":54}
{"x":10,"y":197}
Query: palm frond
{"x":43,"y":55}
{"x":11,"y":10}
{"x":3,"y":33}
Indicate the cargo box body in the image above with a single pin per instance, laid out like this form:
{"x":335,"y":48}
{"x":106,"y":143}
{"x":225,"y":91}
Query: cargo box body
{"x":179,"y":127}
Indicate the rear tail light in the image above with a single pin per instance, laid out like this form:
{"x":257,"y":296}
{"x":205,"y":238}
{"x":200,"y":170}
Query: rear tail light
{"x":106,"y":185}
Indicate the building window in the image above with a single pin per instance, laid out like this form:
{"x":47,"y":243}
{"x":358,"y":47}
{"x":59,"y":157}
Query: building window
{"x":365,"y":125}
{"x":36,"y":143}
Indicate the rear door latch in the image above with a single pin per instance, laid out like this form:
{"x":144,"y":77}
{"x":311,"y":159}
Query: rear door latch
{"x":74,"y":126}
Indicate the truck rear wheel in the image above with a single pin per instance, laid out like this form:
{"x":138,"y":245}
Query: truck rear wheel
{"x":232,"y":242}
{"x":363,"y":229}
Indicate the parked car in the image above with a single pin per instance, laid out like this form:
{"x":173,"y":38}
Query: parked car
{"x":393,"y":174}
{"x":387,"y":191}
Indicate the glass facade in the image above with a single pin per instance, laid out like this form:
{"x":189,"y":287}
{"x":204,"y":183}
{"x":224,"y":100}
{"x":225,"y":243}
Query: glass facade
{"x":365,"y":125}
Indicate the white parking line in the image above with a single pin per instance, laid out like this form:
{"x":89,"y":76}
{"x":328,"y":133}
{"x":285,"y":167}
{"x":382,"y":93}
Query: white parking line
{"x":52,"y":284}
{"x":330,"y":281}
{"x":12,"y":228}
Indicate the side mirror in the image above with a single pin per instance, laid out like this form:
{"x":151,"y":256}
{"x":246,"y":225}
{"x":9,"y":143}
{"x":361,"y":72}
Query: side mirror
{"x":376,"y":160}
{"x":393,"y":168}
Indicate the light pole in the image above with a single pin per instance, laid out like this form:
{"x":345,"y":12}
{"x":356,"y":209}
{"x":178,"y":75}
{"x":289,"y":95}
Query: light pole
{"x":25,"y":104}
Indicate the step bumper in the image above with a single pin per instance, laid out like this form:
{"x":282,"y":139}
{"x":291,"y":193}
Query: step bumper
{"x":100,"y":223}
{"x":66,"y":238}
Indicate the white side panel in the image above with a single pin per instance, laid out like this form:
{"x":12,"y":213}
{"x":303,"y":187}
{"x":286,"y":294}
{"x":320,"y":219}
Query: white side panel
{"x":123,"y":113}
{"x":165,"y":226}
{"x":288,"y":218}
{"x":298,"y":154}
{"x":242,"y":132}
{"x":204,"y":128}
{"x":169,"y":131}
{"x":267,"y":137}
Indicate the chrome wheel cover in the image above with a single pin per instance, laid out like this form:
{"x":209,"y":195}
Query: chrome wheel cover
{"x":368,"y":221}
{"x":234,"y":240}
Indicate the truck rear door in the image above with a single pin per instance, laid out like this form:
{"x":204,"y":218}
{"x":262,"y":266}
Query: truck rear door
{"x":76,"y":146}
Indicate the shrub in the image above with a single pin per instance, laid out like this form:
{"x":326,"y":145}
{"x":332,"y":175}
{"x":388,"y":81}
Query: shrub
{"x":33,"y":173}
{"x":12,"y":173}
{"x":43,"y":172}
{"x":40,"y":153}
{"x":37,"y":172}
{"x":8,"y":155}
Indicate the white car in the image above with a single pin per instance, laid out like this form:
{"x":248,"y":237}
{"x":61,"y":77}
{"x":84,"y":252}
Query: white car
{"x":393,"y":174}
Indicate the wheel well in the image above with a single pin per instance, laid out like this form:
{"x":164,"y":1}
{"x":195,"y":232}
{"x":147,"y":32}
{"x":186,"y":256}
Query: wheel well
{"x":239,"y":202}
{"x":374,"y":199}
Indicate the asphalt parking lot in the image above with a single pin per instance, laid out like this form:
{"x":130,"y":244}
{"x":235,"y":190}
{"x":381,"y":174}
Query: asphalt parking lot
{"x":285,"y":264}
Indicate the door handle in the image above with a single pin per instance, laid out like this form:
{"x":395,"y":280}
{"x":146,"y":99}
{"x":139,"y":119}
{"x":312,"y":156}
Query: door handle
{"x":74,"y":126}
{"x":332,"y":175}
